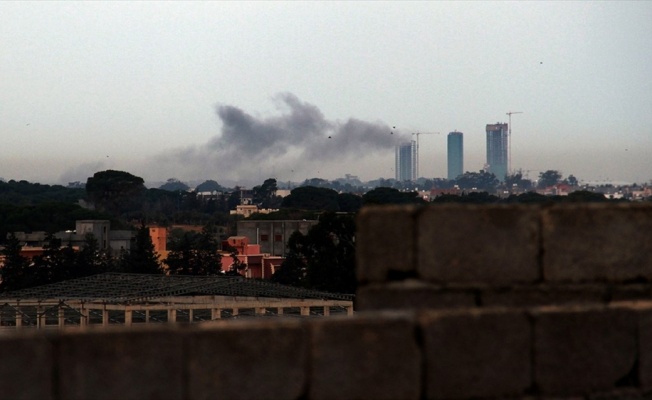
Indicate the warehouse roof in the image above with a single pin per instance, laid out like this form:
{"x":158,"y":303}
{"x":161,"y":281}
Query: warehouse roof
{"x":129,"y":288}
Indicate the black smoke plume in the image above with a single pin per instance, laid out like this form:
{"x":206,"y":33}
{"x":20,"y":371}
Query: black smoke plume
{"x":299,"y":139}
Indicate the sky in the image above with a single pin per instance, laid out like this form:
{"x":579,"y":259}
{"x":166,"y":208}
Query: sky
{"x":244,"y":91}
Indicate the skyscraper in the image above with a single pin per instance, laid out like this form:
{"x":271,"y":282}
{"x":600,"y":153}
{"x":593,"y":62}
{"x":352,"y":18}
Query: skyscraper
{"x":406,"y":161}
{"x":497,"y":146}
{"x":455,"y":155}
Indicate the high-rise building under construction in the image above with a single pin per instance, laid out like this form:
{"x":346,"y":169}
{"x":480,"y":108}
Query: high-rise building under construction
{"x":497,"y":150}
{"x":406,"y":161}
{"x":455,"y":155}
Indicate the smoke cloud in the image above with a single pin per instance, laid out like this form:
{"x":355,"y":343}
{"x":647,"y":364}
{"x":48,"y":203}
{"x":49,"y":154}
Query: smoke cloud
{"x":299,"y":139}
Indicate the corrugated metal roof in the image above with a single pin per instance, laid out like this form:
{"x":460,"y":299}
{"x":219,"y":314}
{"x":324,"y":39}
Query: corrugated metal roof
{"x":131,"y":288}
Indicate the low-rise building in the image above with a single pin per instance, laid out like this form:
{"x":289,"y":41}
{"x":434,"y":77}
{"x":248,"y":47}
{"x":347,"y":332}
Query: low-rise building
{"x":273,"y":236}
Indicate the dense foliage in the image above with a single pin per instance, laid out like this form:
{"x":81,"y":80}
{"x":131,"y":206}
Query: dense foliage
{"x":324,"y":259}
{"x":194,"y":254}
{"x":58,"y":262}
{"x":23,"y":193}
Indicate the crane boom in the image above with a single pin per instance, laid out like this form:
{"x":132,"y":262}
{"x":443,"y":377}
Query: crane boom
{"x":417,"y":135}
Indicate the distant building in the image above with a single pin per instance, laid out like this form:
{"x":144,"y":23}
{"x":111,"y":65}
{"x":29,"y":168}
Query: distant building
{"x":406,"y":161}
{"x":108,"y":239}
{"x":497,"y":148}
{"x":248,"y":210}
{"x":455,"y":155}
{"x":273,"y":236}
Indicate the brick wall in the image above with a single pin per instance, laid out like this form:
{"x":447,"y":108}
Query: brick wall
{"x":456,"y":302}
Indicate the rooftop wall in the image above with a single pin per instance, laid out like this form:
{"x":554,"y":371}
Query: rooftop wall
{"x":457,"y":302}
{"x":468,"y":255}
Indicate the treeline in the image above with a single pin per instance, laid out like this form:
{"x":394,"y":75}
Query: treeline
{"x":23,"y":193}
{"x":579,"y":196}
{"x":110,"y":195}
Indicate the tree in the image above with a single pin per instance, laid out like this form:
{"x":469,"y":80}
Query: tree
{"x":548,"y":178}
{"x":349,"y":202}
{"x":265,"y":194}
{"x":173,"y":185}
{"x":16,"y":271}
{"x":324,"y":259}
{"x":237,"y":265}
{"x":517,"y":180}
{"x":329,"y":250}
{"x":312,"y":198}
{"x":55,"y":264}
{"x":471,"y":198}
{"x":234,"y":199}
{"x":584,"y":196}
{"x":92,"y":259}
{"x":385,"y":195}
{"x":115,"y":191}
{"x":571,"y":180}
{"x":478,"y":181}
{"x":293,"y":269}
{"x":195,"y":254}
{"x":209,"y":186}
{"x":141,"y":258}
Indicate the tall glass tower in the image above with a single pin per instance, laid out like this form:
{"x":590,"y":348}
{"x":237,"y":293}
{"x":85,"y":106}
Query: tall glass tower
{"x":455,"y":154}
{"x":497,"y":147}
{"x":406,"y":161}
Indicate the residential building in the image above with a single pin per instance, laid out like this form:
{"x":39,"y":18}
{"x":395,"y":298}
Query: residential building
{"x":406,"y":161}
{"x":497,"y":149}
{"x":256,"y":264}
{"x":273,"y":236}
{"x":455,"y":154}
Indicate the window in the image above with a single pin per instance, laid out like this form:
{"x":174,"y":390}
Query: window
{"x":264,"y":238}
{"x":278,"y":238}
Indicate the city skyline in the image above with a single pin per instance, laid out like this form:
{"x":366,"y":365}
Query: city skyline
{"x":188,"y":91}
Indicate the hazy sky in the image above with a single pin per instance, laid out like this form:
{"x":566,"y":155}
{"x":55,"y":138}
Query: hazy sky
{"x":245,"y":91}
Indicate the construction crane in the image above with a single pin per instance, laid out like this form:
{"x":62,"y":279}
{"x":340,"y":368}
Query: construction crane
{"x":417,"y":135}
{"x":509,"y":140}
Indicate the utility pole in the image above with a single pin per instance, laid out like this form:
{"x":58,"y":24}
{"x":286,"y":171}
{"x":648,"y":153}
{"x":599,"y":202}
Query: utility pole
{"x":509,"y":140}
{"x":417,"y":135}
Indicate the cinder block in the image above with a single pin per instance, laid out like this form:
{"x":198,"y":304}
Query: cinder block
{"x":645,"y":345}
{"x":26,"y":363}
{"x":582,"y":350}
{"x":365,"y":357}
{"x":620,"y":394}
{"x":119,"y":364}
{"x":621,"y":292}
{"x":385,"y":242}
{"x":545,"y":295}
{"x":248,"y":360}
{"x":476,"y":353}
{"x":411,"y":295}
{"x":493,"y":244}
{"x":589,"y":242}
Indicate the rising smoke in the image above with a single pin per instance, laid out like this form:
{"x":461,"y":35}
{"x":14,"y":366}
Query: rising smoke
{"x":299,"y":139}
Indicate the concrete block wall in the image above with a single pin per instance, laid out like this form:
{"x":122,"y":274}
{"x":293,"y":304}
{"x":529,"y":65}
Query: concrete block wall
{"x":503,"y":255}
{"x":551,"y":311}
{"x":551,"y":352}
